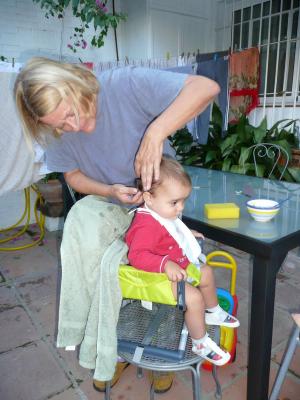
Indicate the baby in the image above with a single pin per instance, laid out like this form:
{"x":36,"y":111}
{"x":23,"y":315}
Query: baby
{"x":159,"y":241}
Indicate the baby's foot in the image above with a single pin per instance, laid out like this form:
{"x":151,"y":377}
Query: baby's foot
{"x":221,"y":318}
{"x":210,"y":351}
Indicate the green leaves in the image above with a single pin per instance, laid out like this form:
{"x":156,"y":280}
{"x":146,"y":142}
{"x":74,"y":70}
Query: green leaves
{"x":94,"y":12}
{"x":233,"y":151}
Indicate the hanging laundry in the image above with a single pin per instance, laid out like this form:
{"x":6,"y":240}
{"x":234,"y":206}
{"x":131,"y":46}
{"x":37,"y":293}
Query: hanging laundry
{"x":217,"y":70}
{"x":243,"y":83}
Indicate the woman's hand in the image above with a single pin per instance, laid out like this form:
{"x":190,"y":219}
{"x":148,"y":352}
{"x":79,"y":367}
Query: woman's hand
{"x":174,"y":272}
{"x":126,"y":195}
{"x":148,"y":158}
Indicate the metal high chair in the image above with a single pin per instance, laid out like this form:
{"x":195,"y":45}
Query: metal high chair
{"x":156,"y":339}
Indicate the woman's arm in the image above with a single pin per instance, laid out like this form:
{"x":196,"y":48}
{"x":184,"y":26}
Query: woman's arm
{"x":194,"y":97}
{"x":83,"y":184}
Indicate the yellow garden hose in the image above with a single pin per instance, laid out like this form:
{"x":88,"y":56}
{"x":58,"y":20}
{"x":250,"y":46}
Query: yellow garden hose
{"x":40,"y":220}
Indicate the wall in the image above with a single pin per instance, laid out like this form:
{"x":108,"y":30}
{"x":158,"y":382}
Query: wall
{"x":153,"y":29}
{"x":25,"y":32}
{"x":159,"y":27}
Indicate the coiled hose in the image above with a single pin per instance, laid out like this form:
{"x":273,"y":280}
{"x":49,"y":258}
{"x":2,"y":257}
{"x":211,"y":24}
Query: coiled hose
{"x":40,"y":220}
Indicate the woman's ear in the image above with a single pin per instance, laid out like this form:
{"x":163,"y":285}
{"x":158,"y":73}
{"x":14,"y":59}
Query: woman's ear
{"x":147,"y":198}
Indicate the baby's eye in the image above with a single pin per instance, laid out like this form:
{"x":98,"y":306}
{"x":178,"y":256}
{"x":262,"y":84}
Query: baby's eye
{"x":174,"y":202}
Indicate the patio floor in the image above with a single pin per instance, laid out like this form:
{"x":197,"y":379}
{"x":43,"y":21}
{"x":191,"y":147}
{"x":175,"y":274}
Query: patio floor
{"x":32,"y":368}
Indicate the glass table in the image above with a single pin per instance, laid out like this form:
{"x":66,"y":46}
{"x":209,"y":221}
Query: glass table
{"x":268,"y":242}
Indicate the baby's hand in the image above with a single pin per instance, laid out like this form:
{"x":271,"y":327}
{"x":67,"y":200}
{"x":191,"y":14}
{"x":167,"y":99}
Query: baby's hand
{"x":174,"y":272}
{"x":197,"y":234}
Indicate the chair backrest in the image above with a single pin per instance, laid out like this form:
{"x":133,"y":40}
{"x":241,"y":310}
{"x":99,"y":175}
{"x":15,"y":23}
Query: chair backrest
{"x":276,"y":154}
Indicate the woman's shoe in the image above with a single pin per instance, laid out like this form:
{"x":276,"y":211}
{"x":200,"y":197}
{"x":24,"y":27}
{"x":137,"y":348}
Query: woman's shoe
{"x":101,"y":385}
{"x":161,"y":381}
{"x":210,"y":351}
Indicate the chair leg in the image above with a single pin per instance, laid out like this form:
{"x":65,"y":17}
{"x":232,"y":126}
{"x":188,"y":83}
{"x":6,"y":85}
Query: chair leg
{"x":151,"y":391}
{"x":218,"y":393}
{"x":292,"y":344}
{"x":107,"y":390}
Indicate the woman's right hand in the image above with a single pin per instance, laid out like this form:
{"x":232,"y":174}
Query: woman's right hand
{"x":126,"y":195}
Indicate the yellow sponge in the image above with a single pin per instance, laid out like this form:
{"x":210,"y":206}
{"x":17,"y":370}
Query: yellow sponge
{"x":222,"y":210}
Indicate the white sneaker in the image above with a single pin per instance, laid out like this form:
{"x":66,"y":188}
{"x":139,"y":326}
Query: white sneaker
{"x":221,"y":318}
{"x":211,"y":352}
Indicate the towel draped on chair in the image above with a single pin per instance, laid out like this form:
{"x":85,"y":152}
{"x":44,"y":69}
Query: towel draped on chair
{"x":90,"y":299}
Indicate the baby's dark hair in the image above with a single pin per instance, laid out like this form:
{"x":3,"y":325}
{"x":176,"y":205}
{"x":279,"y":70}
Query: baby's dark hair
{"x":169,"y":169}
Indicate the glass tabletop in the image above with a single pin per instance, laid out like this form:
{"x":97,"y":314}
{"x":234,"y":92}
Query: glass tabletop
{"x":211,"y":186}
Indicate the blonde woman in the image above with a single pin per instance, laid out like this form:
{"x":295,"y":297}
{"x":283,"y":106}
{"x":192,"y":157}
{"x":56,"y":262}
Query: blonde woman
{"x":107,"y":130}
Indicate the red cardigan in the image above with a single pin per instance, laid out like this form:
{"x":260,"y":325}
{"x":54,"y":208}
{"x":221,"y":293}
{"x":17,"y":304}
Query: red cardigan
{"x":151,"y":246}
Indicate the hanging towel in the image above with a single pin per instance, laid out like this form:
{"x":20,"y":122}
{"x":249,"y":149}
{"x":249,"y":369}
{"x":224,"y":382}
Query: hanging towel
{"x":216,"y":70}
{"x":243,"y":83}
{"x":18,"y":168}
{"x":90,"y":298}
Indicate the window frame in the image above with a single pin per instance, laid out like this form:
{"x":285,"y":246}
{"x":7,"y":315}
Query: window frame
{"x":267,"y":98}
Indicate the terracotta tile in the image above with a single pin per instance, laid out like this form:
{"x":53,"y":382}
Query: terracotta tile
{"x":16,"y":329}
{"x":69,"y":394}
{"x":7,"y":297}
{"x":30,"y":373}
{"x":27,"y":261}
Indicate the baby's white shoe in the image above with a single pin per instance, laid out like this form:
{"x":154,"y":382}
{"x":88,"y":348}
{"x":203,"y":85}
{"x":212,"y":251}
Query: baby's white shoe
{"x":221,"y":318}
{"x":210,"y":351}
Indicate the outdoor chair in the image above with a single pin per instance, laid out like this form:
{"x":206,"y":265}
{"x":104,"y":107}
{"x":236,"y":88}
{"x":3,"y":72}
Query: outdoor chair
{"x":294,"y":341}
{"x":272,"y":156}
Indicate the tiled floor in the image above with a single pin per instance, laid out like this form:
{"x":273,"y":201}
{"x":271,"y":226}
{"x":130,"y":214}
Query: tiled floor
{"x":32,"y":368}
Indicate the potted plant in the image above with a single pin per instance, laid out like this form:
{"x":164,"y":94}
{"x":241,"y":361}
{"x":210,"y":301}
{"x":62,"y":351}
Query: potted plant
{"x":50,"y":189}
{"x":230,"y":151}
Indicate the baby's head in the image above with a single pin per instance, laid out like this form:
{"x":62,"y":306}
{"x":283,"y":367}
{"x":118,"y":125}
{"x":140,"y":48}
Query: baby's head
{"x":167,"y":195}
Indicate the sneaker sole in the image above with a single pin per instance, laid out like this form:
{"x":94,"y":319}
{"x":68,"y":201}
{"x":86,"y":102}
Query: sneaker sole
{"x":227,"y":325}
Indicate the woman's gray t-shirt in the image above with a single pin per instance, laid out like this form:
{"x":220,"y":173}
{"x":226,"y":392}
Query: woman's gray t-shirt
{"x":130,"y":99}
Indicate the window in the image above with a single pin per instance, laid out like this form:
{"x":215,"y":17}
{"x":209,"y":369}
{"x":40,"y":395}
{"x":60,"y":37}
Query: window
{"x":273,"y":27}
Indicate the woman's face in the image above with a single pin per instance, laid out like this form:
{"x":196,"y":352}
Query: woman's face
{"x":64,"y":119}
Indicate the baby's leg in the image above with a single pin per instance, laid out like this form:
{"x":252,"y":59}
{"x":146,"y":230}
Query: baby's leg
{"x":214,"y":314}
{"x":194,"y":319}
{"x":195,"y":309}
{"x":208,"y":287}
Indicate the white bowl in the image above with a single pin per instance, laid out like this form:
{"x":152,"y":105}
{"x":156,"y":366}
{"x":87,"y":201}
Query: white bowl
{"x":262,"y":210}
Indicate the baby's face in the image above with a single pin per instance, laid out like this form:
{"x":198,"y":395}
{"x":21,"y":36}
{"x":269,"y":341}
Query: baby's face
{"x":168,"y":199}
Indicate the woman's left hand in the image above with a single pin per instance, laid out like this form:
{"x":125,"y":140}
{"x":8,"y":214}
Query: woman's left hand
{"x":148,"y":158}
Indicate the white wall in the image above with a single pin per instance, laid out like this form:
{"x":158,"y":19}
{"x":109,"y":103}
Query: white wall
{"x":25,"y":32}
{"x":156,"y":28}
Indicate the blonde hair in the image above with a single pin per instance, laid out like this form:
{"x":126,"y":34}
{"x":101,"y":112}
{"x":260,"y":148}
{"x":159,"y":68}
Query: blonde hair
{"x":170,"y":169}
{"x":43,"y":83}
